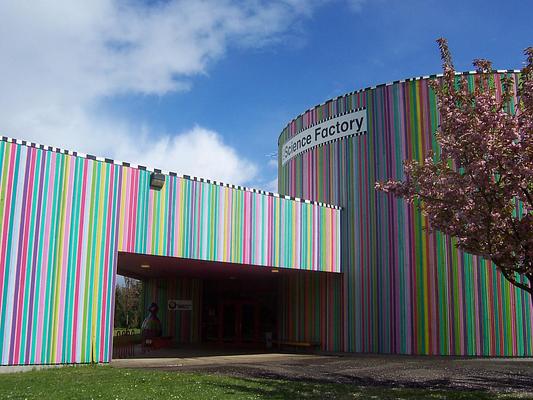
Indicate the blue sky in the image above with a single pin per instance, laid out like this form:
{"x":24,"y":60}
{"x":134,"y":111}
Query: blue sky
{"x":205,"y":87}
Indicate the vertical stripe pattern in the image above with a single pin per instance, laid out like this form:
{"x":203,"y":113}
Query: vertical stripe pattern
{"x":65,"y":217}
{"x":310,"y":309}
{"x":405,"y":290}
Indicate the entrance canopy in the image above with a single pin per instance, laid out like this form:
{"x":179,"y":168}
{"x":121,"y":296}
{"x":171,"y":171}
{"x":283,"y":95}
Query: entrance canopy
{"x":201,"y":220}
{"x":143,"y":267}
{"x":236,"y":304}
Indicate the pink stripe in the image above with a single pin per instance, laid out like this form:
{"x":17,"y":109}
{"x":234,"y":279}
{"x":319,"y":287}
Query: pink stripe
{"x":198,"y":218}
{"x":109,"y":264}
{"x":64,"y":267}
{"x":128,"y":223}
{"x":246,"y":229}
{"x":148,"y":248}
{"x":5,"y":222}
{"x":134,"y":208}
{"x":21,"y":283}
{"x":177,"y":219}
{"x":46,"y":245}
{"x":76,"y":315}
{"x":123,"y":213}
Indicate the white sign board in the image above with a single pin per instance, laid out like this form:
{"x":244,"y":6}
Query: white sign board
{"x":353,"y":123}
{"x":179,"y":305}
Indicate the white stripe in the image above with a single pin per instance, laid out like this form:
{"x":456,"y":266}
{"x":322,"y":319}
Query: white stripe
{"x":11,"y":280}
{"x":83,"y":256}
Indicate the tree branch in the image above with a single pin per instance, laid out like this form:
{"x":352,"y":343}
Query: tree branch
{"x":514,"y":282}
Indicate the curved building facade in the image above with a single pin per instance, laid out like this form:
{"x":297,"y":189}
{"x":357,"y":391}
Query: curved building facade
{"x":405,"y":290}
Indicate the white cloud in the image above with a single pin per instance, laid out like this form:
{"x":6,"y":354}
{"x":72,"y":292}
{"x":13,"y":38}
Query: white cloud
{"x":198,"y":150}
{"x":103,"y":47}
{"x":60,"y":58}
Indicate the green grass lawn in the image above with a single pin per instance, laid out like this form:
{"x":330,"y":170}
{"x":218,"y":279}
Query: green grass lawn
{"x":104,"y":382}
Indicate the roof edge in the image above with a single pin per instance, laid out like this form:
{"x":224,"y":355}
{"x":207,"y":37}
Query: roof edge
{"x":164,"y":172}
{"x":418,"y":78}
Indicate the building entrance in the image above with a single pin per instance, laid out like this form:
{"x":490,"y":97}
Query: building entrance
{"x":238,"y":321}
{"x":232,"y":307}
{"x":239,"y":311}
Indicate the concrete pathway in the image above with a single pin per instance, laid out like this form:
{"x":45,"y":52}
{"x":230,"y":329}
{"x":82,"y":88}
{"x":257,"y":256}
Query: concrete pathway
{"x":152,"y":360}
{"x":460,"y":373}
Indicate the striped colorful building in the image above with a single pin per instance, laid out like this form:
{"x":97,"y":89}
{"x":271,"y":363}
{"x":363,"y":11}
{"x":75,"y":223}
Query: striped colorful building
{"x":405,"y":290}
{"x":349,"y":270}
{"x":67,"y":219}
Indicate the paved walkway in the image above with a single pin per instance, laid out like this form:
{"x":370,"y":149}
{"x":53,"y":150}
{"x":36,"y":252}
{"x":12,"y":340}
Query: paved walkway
{"x":496,"y":374}
{"x":186,"y":362}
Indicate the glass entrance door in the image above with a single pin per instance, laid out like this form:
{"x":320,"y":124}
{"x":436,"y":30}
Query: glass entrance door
{"x":248,"y":323}
{"x":229,"y":322}
{"x":238,"y":321}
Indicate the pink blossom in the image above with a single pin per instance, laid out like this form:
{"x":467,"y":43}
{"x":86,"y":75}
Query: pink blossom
{"x":479,"y":189}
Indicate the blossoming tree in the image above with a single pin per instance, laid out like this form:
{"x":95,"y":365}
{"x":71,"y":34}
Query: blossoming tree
{"x":478,"y":185}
